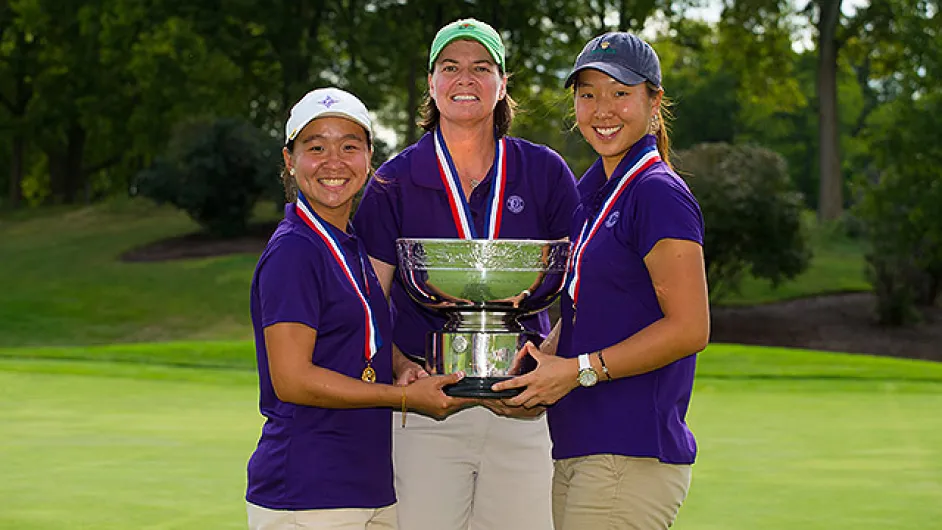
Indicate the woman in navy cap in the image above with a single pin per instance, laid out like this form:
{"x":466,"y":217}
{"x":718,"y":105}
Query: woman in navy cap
{"x":323,"y":340}
{"x":634,"y":311}
{"x":466,"y":178}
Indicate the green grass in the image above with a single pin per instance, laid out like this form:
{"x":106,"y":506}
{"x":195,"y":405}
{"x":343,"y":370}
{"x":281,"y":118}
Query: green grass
{"x":64,"y":283}
{"x":191,"y":354}
{"x":788,"y":439}
{"x":837,"y":266}
{"x":103,"y":450}
{"x":789,"y":455}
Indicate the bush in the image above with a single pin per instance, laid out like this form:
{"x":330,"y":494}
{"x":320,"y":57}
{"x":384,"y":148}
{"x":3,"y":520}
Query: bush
{"x":214,"y":170}
{"x":751,"y":211}
{"x":901,"y":209}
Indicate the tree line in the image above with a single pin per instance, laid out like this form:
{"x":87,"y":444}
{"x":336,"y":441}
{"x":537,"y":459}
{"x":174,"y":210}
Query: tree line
{"x":90,"y":90}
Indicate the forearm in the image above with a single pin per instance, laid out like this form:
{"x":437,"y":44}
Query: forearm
{"x":320,"y":387}
{"x":655,"y":346}
{"x":551,"y":342}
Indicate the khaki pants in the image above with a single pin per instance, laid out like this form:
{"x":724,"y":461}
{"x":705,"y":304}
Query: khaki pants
{"x":336,"y":519}
{"x":608,"y":492}
{"x":473,"y":471}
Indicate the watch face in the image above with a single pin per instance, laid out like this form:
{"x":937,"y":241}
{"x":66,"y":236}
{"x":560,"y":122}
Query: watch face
{"x":588,"y":377}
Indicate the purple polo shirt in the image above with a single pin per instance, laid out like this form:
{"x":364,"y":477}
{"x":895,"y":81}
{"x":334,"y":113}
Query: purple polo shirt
{"x":408,"y":199}
{"x":640,"y":416}
{"x":309,"y":457}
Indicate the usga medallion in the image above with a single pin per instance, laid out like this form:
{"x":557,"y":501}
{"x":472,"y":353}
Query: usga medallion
{"x":368,"y":375}
{"x":460,"y":344}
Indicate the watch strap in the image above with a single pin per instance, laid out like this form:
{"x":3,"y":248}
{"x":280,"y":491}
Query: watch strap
{"x":584,"y":363}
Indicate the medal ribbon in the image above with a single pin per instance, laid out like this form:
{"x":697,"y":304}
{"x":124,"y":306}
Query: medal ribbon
{"x":372,"y":339}
{"x":460,"y":210}
{"x":645,"y":159}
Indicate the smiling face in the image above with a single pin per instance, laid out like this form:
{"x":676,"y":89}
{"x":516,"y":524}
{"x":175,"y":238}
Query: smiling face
{"x":330,"y":161}
{"x":466,"y":83}
{"x":611,"y":116}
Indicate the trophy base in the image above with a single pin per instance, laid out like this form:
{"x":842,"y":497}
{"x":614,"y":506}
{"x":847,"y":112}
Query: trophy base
{"x":480,"y":387}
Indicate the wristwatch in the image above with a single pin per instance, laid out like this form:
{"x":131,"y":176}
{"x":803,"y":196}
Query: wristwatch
{"x":587,"y":375}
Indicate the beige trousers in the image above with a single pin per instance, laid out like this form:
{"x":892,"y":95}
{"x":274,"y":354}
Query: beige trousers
{"x":609,"y":492}
{"x":473,"y":471}
{"x":336,"y":519}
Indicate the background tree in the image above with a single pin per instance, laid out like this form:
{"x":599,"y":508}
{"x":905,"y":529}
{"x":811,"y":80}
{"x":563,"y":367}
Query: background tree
{"x":214,"y":170}
{"x":752,"y":212}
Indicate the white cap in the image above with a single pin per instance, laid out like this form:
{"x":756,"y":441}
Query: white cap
{"x":325,"y":102}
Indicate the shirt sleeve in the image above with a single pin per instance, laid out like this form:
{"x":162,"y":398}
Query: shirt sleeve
{"x":287,"y":284}
{"x":664,"y":208}
{"x":378,"y":218}
{"x":563,"y":196}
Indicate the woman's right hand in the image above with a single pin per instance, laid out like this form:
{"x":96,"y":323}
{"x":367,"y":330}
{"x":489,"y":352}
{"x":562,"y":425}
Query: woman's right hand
{"x":425,"y":395}
{"x":406,"y":371}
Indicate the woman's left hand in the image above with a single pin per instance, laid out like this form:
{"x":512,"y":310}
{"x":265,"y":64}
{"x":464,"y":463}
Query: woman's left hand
{"x":502,"y":407}
{"x":553,"y":378}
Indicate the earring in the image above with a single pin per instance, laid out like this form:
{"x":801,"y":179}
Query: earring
{"x":291,"y":172}
{"x":654,"y":125}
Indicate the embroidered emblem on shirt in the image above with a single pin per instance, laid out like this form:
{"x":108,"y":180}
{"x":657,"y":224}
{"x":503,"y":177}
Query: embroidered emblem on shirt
{"x":612,"y":219}
{"x":515,"y":203}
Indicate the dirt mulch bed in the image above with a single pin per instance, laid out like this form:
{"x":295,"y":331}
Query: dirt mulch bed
{"x":838,"y":322}
{"x":202,"y":245}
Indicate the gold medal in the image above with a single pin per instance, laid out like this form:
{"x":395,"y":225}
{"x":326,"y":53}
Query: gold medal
{"x":369,"y":374}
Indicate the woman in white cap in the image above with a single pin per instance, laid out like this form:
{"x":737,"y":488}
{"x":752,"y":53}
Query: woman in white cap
{"x":323,"y":340}
{"x":634,"y":311}
{"x":466,"y":178}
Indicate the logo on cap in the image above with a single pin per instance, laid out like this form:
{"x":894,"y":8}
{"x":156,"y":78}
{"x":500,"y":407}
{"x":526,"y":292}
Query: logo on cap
{"x":605,"y":47}
{"x":328,"y":101}
{"x":466,"y":25}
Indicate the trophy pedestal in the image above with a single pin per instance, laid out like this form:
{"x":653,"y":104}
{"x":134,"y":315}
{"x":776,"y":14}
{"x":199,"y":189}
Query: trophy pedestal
{"x":485,"y":357}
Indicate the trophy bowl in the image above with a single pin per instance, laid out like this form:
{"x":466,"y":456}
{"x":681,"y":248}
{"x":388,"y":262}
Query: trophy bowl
{"x":482,"y":287}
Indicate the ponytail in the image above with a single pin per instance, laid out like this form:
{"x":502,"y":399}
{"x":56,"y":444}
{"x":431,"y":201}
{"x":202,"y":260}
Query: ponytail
{"x":661,"y":124}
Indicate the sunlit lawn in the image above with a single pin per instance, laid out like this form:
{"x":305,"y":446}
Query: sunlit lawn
{"x":788,"y":439}
{"x":63,"y":283}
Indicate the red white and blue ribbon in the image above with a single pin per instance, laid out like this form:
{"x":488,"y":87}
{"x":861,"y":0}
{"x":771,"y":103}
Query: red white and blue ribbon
{"x":460,"y":210}
{"x":306,"y":213}
{"x":644,"y":160}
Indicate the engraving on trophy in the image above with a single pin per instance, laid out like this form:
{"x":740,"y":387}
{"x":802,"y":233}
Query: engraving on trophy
{"x":482,"y":288}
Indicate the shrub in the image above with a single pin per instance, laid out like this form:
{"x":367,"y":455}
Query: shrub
{"x":751,"y":211}
{"x":901,"y":209}
{"x":215,"y":170}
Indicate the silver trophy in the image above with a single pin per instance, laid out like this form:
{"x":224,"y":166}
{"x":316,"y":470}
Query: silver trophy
{"x":482,"y":287}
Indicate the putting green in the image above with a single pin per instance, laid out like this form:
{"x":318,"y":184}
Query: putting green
{"x":118,"y":445}
{"x":825,"y":454}
{"x":110,"y":451}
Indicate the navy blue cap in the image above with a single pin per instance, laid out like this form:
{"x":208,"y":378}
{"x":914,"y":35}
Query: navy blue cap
{"x":625,"y":57}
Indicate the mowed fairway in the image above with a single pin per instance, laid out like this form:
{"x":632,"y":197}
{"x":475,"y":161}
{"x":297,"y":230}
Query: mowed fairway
{"x":789,"y":440}
{"x":121,"y":450}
